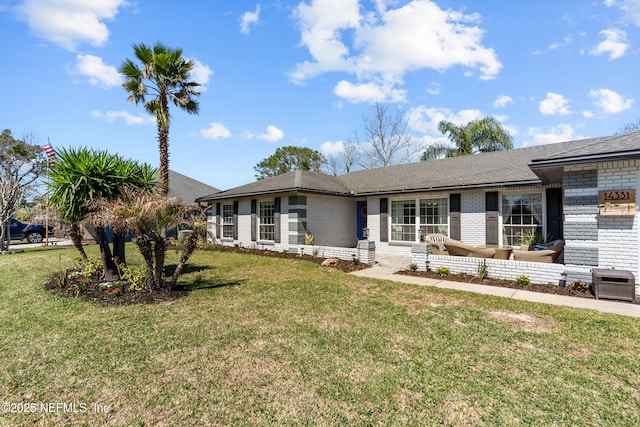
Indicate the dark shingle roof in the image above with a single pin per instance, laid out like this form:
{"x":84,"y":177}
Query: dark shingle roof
{"x":298,"y":180}
{"x":500,"y":168}
{"x":187,"y":189}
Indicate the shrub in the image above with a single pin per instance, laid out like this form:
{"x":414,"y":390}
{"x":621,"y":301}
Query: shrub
{"x":59,"y":278}
{"x":135,"y":277}
{"x":356,"y":261}
{"x":443,"y":271}
{"x":483,"y":270}
{"x":580,"y":286}
{"x":413,"y":267}
{"x":523,"y":281}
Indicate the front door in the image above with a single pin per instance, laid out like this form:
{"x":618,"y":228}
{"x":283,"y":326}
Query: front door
{"x":361,"y":219}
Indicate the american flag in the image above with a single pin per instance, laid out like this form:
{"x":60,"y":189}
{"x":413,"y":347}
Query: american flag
{"x":51,"y":154}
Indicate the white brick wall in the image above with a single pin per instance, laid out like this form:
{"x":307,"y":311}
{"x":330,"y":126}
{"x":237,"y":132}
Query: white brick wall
{"x":618,"y":240}
{"x":332,"y":220}
{"x":473,"y":229}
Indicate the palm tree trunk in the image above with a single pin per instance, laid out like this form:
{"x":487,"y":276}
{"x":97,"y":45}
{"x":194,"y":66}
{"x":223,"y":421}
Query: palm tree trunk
{"x":163,"y":145}
{"x":76,"y":238}
{"x":144,"y":244}
{"x":109,"y":268}
{"x":160,"y":249}
{"x":118,"y":247}
{"x":189,"y":246}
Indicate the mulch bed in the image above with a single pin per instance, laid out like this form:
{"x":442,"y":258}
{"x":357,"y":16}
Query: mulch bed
{"x":123,"y":296}
{"x":468,"y":278}
{"x":347,"y":266}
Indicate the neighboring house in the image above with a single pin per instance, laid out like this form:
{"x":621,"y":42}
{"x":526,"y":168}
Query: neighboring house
{"x":187,"y":189}
{"x":181,"y":186}
{"x":483,"y":199}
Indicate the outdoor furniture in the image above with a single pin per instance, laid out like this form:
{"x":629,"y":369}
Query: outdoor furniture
{"x":502,"y":252}
{"x":443,"y":245}
{"x":549,"y":255}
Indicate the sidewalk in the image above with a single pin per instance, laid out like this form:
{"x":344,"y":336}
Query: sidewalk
{"x":385,"y":271}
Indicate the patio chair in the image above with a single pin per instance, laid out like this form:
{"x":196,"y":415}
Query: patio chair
{"x":443,"y":245}
{"x":549,"y":255}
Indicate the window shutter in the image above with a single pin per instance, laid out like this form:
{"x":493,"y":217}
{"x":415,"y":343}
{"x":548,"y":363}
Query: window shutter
{"x":276,"y":219}
{"x":492,"y":217}
{"x":254,"y":220}
{"x":384,"y":220}
{"x":454,"y":216}
{"x":218,"y":220}
{"x":235,"y":220}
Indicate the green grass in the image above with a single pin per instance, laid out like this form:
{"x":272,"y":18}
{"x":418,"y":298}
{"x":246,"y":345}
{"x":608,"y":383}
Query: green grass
{"x":267,"y":341}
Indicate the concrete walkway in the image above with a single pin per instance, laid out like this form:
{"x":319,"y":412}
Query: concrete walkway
{"x":387,"y":265}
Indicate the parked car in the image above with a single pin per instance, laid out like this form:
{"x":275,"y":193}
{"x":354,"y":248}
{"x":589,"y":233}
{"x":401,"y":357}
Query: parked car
{"x":33,"y":233}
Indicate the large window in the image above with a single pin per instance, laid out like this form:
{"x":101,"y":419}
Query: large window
{"x":403,"y":220}
{"x":227,"y":221}
{"x":412,"y":218}
{"x":267,"y":220}
{"x":434,"y":216}
{"x":521,"y":215}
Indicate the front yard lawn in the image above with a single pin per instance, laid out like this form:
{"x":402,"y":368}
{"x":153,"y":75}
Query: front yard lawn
{"x":263,"y":341}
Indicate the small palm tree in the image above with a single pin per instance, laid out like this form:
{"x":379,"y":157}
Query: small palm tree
{"x":81,"y":177}
{"x":482,"y":135}
{"x":164,"y":76}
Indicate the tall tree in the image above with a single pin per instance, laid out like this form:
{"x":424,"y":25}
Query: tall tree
{"x":21,"y":164}
{"x":482,"y":135}
{"x":164,"y":76}
{"x":287,"y":159}
{"x":387,"y":140}
{"x":343,"y":162}
{"x":81,"y":177}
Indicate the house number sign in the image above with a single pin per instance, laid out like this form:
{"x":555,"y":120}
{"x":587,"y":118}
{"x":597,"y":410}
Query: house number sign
{"x":615,"y":197}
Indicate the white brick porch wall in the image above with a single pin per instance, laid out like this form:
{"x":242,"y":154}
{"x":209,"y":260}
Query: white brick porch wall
{"x":473,"y":228}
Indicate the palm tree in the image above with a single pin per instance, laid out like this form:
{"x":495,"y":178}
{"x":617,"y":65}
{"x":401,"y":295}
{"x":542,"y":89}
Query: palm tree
{"x":482,"y":135}
{"x":79,"y":178}
{"x":166,"y":74}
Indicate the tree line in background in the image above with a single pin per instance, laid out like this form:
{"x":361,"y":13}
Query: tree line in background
{"x":385,"y":141}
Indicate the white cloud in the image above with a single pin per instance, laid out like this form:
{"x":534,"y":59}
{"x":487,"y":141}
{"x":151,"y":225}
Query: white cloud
{"x":560,"y":133}
{"x":587,"y":114}
{"x":273,"y":134}
{"x":631,"y":9}
{"x":69,"y":22}
{"x":434,"y":89}
{"x":331,"y":149}
{"x":615,"y":44}
{"x":502,"y":101}
{"x":201,"y":73}
{"x":554,"y":104}
{"x":609,"y":101}
{"x":425,"y":120}
{"x":130,"y":119}
{"x":382,"y":46}
{"x":216,"y":130}
{"x":96,"y":71}
{"x":248,"y":19}
{"x":368,"y":92}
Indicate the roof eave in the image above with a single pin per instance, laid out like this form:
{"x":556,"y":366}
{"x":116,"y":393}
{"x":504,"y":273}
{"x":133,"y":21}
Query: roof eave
{"x":219,"y":196}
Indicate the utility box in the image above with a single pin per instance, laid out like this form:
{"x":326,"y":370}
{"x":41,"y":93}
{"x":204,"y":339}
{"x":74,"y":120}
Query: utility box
{"x":614,"y":284}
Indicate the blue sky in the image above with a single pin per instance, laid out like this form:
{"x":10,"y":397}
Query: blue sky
{"x":306,"y":72}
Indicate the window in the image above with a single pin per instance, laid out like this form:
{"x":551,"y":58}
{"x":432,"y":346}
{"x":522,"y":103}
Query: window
{"x":434,"y":216}
{"x":403,"y":220}
{"x":267,"y":220}
{"x":521,"y":214}
{"x":227,"y":221}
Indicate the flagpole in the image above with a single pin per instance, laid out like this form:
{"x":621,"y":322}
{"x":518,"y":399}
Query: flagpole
{"x":46,"y":202}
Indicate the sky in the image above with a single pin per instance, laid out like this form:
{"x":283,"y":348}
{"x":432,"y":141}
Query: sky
{"x":307,"y":73}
